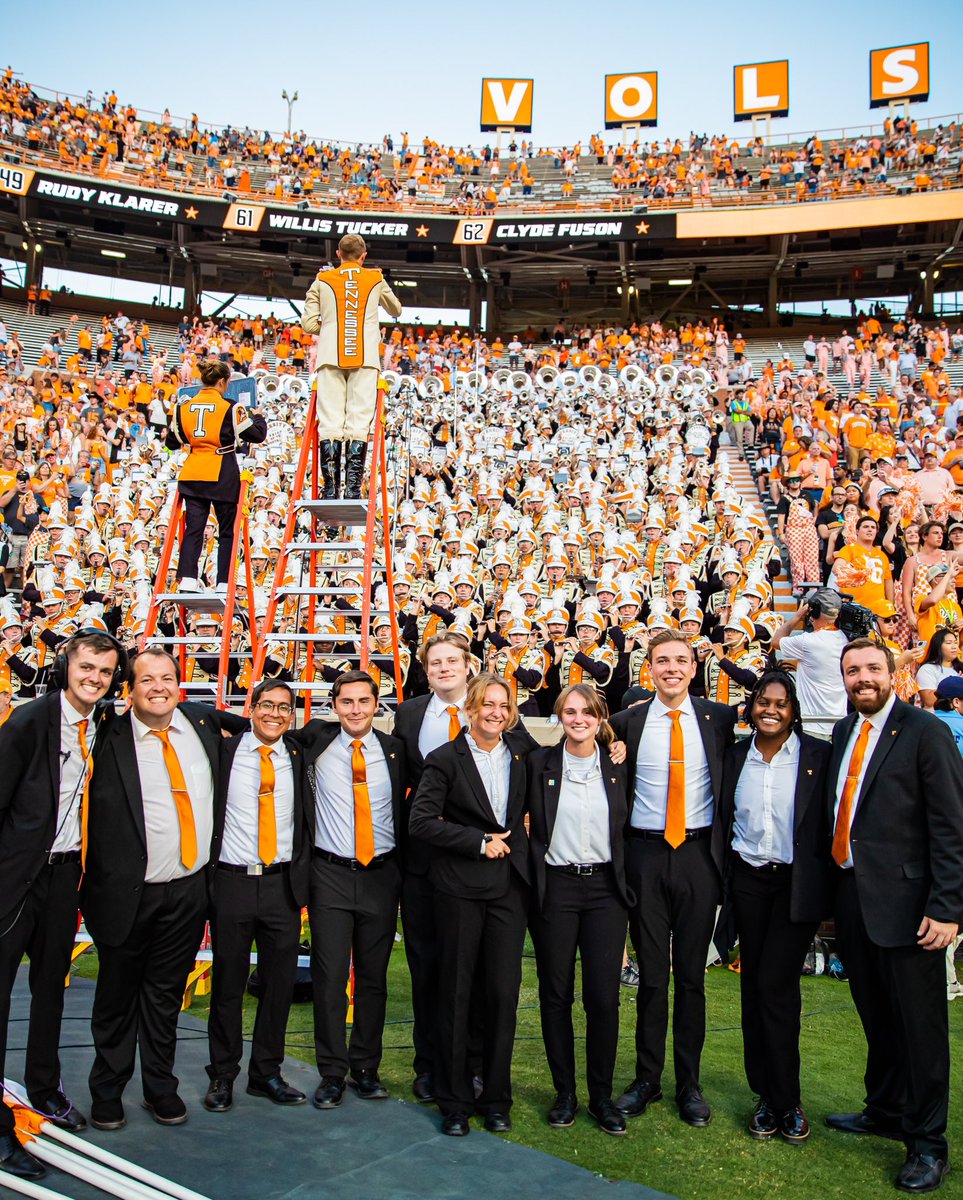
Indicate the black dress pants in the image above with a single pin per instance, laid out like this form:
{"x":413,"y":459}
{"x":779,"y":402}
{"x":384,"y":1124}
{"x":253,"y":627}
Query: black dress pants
{"x":676,"y":896}
{"x":248,"y":910}
{"x":41,"y":927}
{"x":354,"y":917}
{"x":140,"y":988}
{"x":900,"y":995}
{"x":582,"y":915}
{"x":473,"y":935}
{"x":772,"y":949}
{"x":196,"y":511}
{"x":421,"y":951}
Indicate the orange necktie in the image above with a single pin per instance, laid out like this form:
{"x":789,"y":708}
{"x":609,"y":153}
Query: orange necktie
{"x":675,"y":800}
{"x":182,"y":800}
{"x":267,"y":827}
{"x":844,"y":817}
{"x":363,"y":826}
{"x":454,"y":722}
{"x":85,"y":797}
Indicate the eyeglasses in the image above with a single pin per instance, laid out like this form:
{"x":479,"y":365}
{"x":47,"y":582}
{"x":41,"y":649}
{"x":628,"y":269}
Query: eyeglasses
{"x":266,"y":706}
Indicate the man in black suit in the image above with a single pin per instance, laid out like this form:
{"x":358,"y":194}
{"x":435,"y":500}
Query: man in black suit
{"x":45,"y":751}
{"x":144,"y":893}
{"x":470,"y":809}
{"x":358,"y":776}
{"x":674,"y":861}
{"x":423,"y":724}
{"x":260,"y":861}
{"x":896,"y":811}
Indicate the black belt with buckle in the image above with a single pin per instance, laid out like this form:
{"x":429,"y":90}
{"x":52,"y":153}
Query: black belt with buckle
{"x":658,"y":835}
{"x":579,"y":868}
{"x":57,"y":858}
{"x":255,"y":869}
{"x":354,"y":864}
{"x":769,"y":868}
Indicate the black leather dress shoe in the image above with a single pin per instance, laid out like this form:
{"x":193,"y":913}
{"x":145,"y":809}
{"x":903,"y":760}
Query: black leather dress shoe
{"x":793,"y":1126}
{"x":276,"y":1089}
{"x":167,"y":1110}
{"x":330,"y":1092}
{"x":637,"y":1097}
{"x":59,"y":1111}
{"x":220,"y":1096}
{"x":107,"y":1114}
{"x":17,"y":1161}
{"x":423,"y":1089}
{"x":921,"y":1173}
{"x":608,"y":1116}
{"x":455,"y":1125}
{"x":861,"y":1123}
{"x":763,"y":1123}
{"x":497,"y":1122}
{"x":693,"y":1108}
{"x":367,"y":1084}
{"x":562,"y":1113}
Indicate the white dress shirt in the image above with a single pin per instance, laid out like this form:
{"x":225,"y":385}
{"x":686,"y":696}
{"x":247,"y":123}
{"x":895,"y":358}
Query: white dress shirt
{"x":494,"y":767}
{"x":73,"y":768}
{"x":239,"y":845}
{"x":877,"y":721}
{"x":334,"y":796}
{"x":581,"y":832}
{"x":160,"y":813}
{"x":434,"y":727}
{"x":765,"y":805}
{"x":652,"y":770}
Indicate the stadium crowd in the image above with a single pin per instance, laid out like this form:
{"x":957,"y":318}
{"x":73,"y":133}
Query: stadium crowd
{"x":110,"y":136}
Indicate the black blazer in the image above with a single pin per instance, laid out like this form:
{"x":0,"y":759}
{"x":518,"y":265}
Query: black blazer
{"x":811,"y":886}
{"x":907,"y":833}
{"x":29,"y":793}
{"x":716,"y":724}
{"x":544,"y":787}
{"x":116,"y":836}
{"x":409,"y":718}
{"x":317,"y":736}
{"x":451,"y":812}
{"x":303,"y":814}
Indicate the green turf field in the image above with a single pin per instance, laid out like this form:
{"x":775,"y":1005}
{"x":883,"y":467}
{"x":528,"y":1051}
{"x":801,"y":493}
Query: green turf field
{"x":659,"y":1150}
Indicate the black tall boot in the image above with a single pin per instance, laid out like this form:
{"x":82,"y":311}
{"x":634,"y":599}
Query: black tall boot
{"x":354,"y":469}
{"x":329,"y":454}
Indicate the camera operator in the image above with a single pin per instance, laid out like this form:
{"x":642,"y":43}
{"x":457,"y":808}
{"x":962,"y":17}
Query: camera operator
{"x":822,"y":696}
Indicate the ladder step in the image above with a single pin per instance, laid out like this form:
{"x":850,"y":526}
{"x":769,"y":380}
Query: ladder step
{"x":314,"y":637}
{"x":318,"y":591}
{"x":337,"y":512}
{"x":208,"y":602}
{"x":345,"y":547}
{"x":183,"y":641}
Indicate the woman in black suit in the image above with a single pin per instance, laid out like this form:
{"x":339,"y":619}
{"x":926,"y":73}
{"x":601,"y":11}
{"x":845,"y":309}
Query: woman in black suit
{"x":470,"y":808}
{"x":579,"y":807}
{"x":777,"y":890}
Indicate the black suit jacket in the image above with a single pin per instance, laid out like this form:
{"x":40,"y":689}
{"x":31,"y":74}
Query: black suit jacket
{"x":716,"y":725}
{"x":907,"y":832}
{"x":451,"y":812}
{"x":811,"y":886}
{"x":29,"y":793}
{"x":544,"y":788}
{"x":116,"y":835}
{"x":303,"y":814}
{"x":317,"y":736}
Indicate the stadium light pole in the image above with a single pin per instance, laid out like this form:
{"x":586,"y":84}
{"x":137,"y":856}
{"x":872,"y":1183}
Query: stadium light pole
{"x":290,"y":100}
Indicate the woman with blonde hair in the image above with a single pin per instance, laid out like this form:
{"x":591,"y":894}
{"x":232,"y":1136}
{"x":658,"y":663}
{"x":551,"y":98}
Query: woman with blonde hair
{"x":579,"y":809}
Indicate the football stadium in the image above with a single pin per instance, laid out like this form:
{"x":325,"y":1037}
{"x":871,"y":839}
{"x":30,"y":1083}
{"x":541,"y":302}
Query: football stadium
{"x":481,"y":609}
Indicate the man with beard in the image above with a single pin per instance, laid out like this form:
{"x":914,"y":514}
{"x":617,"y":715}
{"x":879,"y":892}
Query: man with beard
{"x":896,"y":796}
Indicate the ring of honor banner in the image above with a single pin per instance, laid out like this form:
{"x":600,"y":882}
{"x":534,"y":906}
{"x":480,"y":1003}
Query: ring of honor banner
{"x":507,"y":104}
{"x":760,"y":90}
{"x":899,"y":73}
{"x":632,"y":99}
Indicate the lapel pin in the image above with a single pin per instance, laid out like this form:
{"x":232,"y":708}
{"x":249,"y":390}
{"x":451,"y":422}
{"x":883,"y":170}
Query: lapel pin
{"x":707,"y":716}
{"x":516,"y":758}
{"x":551,"y":783}
{"x":391,"y":755}
{"x":202,"y":720}
{"x":893,"y":732}
{"x":613,"y":781}
{"x":809,"y":771}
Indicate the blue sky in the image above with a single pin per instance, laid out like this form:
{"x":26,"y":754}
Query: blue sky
{"x":419,"y":66}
